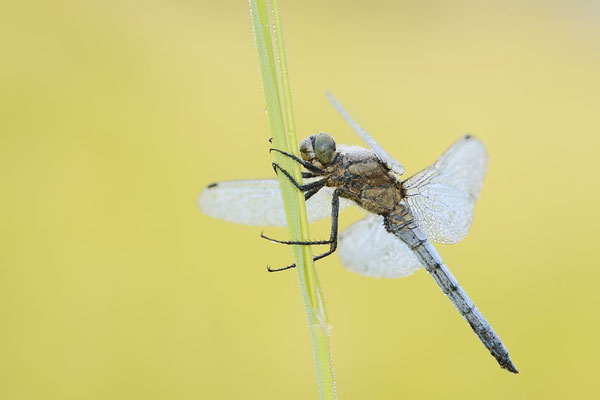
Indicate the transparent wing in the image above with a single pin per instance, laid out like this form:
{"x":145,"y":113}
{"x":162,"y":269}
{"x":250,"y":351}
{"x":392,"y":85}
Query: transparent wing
{"x":442,"y":196}
{"x":368,"y":249}
{"x":258,"y":202}
{"x":381,"y":153}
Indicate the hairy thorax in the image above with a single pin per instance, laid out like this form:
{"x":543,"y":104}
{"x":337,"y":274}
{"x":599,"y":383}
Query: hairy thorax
{"x":362,"y":178}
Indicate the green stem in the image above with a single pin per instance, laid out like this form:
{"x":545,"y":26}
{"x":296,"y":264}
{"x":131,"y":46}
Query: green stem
{"x":281,"y":123}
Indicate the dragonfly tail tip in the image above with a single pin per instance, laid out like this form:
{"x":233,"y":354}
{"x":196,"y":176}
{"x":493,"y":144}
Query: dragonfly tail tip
{"x":511,"y":367}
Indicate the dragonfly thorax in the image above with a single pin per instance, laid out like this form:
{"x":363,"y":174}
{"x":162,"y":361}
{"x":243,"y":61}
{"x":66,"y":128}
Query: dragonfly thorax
{"x":361,"y":177}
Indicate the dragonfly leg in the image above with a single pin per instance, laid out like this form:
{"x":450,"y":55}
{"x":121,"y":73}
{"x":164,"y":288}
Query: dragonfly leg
{"x":311,"y":193}
{"x":310,"y":190}
{"x":305,"y":164}
{"x":333,"y":239}
{"x":309,"y":175}
{"x":304,"y":188}
{"x":335,"y":209}
{"x":262,"y":235}
{"x":280,"y":269}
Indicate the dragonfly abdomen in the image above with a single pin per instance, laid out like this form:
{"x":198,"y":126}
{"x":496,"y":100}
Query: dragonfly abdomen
{"x":406,"y":230}
{"x":449,"y":285}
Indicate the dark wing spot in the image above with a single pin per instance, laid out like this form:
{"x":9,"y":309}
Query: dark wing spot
{"x":212,"y":185}
{"x":467,"y":136}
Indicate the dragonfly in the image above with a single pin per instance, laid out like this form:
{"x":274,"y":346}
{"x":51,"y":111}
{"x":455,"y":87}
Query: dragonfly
{"x":404,"y":216}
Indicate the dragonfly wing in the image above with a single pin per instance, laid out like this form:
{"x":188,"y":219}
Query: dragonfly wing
{"x":368,"y":249}
{"x":258,"y":202}
{"x":381,"y":153}
{"x":442,"y":196}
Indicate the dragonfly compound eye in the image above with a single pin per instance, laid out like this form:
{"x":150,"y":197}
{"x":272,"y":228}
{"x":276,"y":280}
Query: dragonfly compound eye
{"x":324,"y":146}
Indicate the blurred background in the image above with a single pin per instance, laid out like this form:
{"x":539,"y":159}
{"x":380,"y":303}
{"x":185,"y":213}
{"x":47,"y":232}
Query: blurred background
{"x":115,"y":114}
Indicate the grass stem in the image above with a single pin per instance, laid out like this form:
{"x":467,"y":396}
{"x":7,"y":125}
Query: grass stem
{"x":278,"y":100}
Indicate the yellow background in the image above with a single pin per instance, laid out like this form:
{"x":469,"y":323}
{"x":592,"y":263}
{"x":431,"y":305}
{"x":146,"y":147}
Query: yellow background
{"x":115,"y":114}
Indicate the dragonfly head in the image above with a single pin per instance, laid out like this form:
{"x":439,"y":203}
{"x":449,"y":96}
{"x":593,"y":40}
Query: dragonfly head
{"x":319,"y":148}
